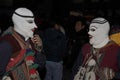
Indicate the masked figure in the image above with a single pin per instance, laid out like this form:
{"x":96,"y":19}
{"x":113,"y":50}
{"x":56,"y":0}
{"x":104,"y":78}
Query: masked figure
{"x":100,"y":56}
{"x":18,"y":49}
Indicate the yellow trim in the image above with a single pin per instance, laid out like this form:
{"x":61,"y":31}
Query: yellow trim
{"x":116,"y":37}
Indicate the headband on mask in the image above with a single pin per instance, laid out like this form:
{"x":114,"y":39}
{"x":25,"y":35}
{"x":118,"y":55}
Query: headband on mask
{"x":102,"y":23}
{"x":24,"y":12}
{"x":99,"y":20}
{"x":23,"y":15}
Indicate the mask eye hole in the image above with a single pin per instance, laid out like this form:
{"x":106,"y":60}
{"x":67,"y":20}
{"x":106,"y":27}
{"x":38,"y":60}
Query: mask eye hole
{"x":92,"y":29}
{"x":30,"y":21}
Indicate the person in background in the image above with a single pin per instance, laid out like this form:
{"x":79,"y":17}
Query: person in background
{"x":20,"y":48}
{"x":80,"y":38}
{"x":101,"y":56}
{"x":54,"y":47}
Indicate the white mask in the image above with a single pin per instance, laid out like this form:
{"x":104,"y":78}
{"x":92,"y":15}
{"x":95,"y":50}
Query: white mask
{"x":23,"y":20}
{"x":99,"y":32}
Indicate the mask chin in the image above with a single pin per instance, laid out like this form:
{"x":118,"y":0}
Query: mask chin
{"x":24,"y":32}
{"x":28,"y":34}
{"x":100,"y":43}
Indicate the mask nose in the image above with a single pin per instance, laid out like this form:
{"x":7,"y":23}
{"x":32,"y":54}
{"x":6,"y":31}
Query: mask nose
{"x":35,"y":26}
{"x":89,"y":32}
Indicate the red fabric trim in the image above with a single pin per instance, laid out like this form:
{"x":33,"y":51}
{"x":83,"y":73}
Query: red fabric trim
{"x":30,"y":58}
{"x":32,"y":71}
{"x":15,"y":60}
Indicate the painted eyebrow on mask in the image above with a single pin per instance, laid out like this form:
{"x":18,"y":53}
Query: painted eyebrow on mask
{"x":93,"y":27}
{"x":23,"y":15}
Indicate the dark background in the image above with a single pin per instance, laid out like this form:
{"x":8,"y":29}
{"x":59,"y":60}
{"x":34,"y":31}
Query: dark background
{"x":61,"y":8}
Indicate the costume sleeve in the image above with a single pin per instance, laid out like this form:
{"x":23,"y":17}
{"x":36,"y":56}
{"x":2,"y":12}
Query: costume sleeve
{"x":76,"y":66}
{"x":117,"y":74}
{"x":5,"y":53}
{"x":40,"y":59}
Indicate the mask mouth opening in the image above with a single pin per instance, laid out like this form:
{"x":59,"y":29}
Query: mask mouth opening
{"x":33,"y":30}
{"x":90,"y":37}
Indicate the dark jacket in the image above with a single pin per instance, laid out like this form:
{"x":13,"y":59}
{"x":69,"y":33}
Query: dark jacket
{"x":54,"y":44}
